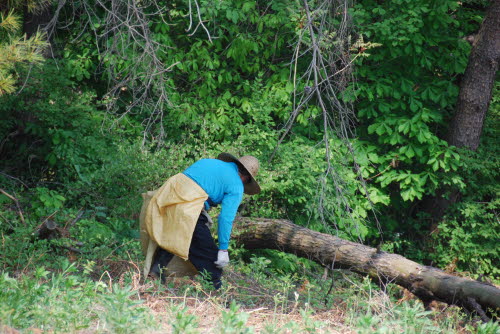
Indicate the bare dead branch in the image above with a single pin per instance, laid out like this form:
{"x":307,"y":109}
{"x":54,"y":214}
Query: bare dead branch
{"x":16,"y":201}
{"x":200,"y":21}
{"x":324,"y":42}
{"x":130,"y":57}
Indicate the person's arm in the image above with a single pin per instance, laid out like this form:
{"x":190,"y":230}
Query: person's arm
{"x":230,"y":204}
{"x":209,"y":204}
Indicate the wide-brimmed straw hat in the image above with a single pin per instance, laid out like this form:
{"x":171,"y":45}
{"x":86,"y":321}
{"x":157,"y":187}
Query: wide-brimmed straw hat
{"x":249,"y":164}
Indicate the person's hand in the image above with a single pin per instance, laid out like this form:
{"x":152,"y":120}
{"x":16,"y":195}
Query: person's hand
{"x":222,"y":259}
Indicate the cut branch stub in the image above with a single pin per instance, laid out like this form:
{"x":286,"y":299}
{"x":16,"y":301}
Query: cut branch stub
{"x":47,"y":230}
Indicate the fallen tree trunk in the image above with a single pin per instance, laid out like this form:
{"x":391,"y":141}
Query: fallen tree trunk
{"x":425,"y":282}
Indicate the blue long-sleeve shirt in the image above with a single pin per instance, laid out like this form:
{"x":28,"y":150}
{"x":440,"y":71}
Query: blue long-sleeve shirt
{"x":223,"y":185}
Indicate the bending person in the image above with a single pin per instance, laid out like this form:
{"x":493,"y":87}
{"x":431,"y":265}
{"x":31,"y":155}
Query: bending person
{"x":175,"y":220}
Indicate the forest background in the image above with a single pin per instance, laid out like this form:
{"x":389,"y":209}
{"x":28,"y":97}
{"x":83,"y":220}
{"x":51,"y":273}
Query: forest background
{"x":101,"y":101}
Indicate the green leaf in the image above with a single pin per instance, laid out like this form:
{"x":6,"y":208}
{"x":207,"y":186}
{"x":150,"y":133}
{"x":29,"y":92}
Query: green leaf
{"x":373,"y":128}
{"x":413,"y":105}
{"x":410,"y":153}
{"x":381,"y":129}
{"x":373,"y":157}
{"x":435,"y":165}
{"x":405,"y":194}
{"x":404,"y":127}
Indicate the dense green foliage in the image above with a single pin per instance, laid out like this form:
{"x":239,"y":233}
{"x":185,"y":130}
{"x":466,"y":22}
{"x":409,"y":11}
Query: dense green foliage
{"x":406,"y":91}
{"x":233,"y":93}
{"x":468,"y":236}
{"x":66,"y":149}
{"x":405,"y":96}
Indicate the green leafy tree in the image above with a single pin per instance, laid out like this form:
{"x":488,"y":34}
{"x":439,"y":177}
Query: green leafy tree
{"x":225,"y":75}
{"x":406,"y":90}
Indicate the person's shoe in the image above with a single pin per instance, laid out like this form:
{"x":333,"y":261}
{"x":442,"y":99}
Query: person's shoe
{"x":160,"y":262}
{"x":156,"y":273}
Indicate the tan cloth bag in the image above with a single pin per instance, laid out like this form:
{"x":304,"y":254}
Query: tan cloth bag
{"x":168,"y":217}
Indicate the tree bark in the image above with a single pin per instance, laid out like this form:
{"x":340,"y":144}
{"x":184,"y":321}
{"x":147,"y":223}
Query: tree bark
{"x":478,"y":82}
{"x":425,"y":282}
{"x":34,"y":21}
{"x":473,"y":102}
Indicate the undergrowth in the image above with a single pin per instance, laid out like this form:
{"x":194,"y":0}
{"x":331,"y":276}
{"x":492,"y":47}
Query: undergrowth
{"x":46,"y":285}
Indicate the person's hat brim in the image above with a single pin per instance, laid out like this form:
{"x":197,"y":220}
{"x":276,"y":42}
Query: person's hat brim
{"x":250,"y":188}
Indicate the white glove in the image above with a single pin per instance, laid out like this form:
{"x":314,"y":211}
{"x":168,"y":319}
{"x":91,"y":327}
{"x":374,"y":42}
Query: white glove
{"x":222,"y":259}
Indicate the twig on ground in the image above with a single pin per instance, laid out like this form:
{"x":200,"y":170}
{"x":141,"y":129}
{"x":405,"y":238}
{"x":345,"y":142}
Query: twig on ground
{"x":20,"y":212}
{"x":73,"y":222}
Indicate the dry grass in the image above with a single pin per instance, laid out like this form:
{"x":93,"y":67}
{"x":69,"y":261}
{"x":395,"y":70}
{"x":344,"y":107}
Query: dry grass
{"x":208,"y":306}
{"x":257,"y":300}
{"x":208,"y":313}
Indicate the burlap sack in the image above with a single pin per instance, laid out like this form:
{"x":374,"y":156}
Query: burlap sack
{"x":168,"y":217}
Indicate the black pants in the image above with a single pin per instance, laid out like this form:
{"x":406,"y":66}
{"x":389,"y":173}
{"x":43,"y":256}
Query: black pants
{"x":202,"y":253}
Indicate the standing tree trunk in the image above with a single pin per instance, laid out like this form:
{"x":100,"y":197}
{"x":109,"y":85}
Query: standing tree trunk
{"x":473,"y":102}
{"x":425,"y":282}
{"x":36,"y":21}
{"x":478,"y":82}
